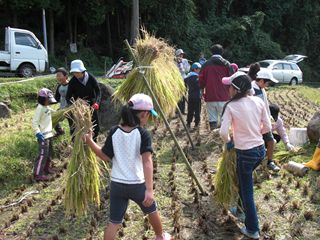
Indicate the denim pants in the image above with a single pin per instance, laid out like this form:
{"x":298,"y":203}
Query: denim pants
{"x":247,"y":161}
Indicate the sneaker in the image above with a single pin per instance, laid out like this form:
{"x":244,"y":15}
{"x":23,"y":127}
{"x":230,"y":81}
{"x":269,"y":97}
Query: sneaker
{"x":272,"y":166}
{"x":165,"y":236}
{"x":240,"y":215}
{"x":245,"y":232}
{"x":42,"y":178}
{"x":188,"y":125}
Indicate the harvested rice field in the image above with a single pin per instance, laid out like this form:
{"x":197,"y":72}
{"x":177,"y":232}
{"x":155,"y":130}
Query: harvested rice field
{"x":288,"y":206}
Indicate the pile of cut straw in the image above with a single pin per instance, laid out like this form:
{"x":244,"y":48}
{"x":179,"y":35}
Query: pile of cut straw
{"x":162,"y":73}
{"x":226,"y":181}
{"x":83,"y":170}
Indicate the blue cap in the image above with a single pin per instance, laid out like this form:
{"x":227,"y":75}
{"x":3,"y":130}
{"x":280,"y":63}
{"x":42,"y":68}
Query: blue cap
{"x":196,"y":65}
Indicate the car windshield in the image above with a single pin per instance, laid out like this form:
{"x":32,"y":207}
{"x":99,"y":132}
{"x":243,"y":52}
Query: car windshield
{"x":264,"y":64}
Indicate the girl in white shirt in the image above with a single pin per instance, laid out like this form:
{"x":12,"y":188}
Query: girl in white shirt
{"x":42,"y":126}
{"x":129,"y":148}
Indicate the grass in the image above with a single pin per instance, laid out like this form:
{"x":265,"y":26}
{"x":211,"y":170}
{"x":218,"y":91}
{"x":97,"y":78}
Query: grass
{"x":18,"y":143}
{"x":18,"y":151}
{"x":10,"y":79}
{"x":310,"y":92}
{"x":23,"y":96}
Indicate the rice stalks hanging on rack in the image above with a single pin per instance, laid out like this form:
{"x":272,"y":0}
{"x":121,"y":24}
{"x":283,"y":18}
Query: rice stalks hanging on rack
{"x":83,"y":169}
{"x":161,"y":71}
{"x":225,"y":181}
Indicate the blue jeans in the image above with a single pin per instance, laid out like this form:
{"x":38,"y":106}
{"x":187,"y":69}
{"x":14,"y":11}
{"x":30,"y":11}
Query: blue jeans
{"x":247,"y":161}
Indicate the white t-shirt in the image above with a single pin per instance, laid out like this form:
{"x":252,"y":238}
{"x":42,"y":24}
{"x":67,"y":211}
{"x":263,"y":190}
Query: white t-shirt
{"x":125,"y":149}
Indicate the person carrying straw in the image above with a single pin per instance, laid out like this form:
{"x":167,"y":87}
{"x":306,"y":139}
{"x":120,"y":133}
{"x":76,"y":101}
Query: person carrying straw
{"x":249,"y":120}
{"x":129,"y":148}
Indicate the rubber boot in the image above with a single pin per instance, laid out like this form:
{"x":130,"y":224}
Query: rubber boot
{"x":314,"y":163}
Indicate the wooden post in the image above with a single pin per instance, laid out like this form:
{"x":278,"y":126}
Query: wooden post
{"x":184,"y":158}
{"x":185,"y":127}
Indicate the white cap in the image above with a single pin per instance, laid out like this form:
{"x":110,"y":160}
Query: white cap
{"x":77,"y":66}
{"x":265,"y":74}
{"x":179,"y":51}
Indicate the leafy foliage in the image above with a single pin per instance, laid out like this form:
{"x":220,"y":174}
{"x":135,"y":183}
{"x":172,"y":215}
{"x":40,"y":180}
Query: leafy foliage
{"x":250,"y":30}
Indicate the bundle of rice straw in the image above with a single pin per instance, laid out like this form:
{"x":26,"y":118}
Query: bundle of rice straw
{"x":226,"y":180}
{"x":83,"y":170}
{"x":163,"y":74}
{"x":60,"y":115}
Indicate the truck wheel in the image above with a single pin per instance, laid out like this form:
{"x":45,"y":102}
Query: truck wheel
{"x":26,"y":70}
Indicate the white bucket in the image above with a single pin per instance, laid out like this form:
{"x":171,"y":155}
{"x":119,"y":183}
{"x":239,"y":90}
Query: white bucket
{"x":298,"y":136}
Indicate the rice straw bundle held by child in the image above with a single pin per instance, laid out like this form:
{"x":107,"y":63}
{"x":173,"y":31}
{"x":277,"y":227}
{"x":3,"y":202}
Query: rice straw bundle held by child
{"x":83,"y":170}
{"x":225,"y":181}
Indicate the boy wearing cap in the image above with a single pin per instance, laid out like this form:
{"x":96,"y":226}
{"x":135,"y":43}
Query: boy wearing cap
{"x":263,"y":79}
{"x":83,"y":85}
{"x":42,"y":126}
{"x":194,"y":95}
{"x":129,"y":146}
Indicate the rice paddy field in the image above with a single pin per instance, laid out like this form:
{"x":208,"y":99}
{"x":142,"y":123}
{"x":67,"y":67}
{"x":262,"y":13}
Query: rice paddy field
{"x":288,"y":206}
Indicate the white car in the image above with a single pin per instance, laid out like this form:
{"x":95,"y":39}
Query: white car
{"x":285,"y":71}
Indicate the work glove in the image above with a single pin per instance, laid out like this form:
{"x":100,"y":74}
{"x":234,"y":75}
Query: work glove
{"x":289,"y":147}
{"x":95,"y":106}
{"x":40,"y":136}
{"x":230,"y":145}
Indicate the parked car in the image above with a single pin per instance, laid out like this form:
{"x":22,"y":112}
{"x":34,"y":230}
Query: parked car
{"x":23,"y":53}
{"x":285,"y":70}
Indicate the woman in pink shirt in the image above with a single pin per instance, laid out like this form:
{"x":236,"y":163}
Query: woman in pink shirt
{"x":248,"y":118}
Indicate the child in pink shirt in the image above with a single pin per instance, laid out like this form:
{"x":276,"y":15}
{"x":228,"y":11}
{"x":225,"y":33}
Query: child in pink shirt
{"x":248,"y":117}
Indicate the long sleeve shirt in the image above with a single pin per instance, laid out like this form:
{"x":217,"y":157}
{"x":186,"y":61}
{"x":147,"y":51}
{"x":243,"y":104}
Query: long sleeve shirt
{"x":210,"y":78}
{"x":192,"y":82}
{"x":41,"y":122}
{"x":184,"y":67}
{"x":281,"y":130}
{"x":87,"y":89}
{"x":249,"y":120}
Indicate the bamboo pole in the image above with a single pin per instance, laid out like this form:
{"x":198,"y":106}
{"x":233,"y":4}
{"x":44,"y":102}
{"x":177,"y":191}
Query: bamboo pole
{"x":184,"y":158}
{"x":185,"y":127}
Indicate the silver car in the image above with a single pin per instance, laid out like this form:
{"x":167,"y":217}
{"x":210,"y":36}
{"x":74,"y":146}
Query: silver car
{"x":285,"y":71}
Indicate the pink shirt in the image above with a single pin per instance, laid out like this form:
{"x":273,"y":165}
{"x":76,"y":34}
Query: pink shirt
{"x":249,"y":119}
{"x":281,"y":130}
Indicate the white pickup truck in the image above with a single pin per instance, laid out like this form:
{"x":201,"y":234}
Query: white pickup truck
{"x":23,"y":53}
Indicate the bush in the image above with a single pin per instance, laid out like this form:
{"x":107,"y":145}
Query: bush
{"x":94,"y":63}
{"x":24,"y":95}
